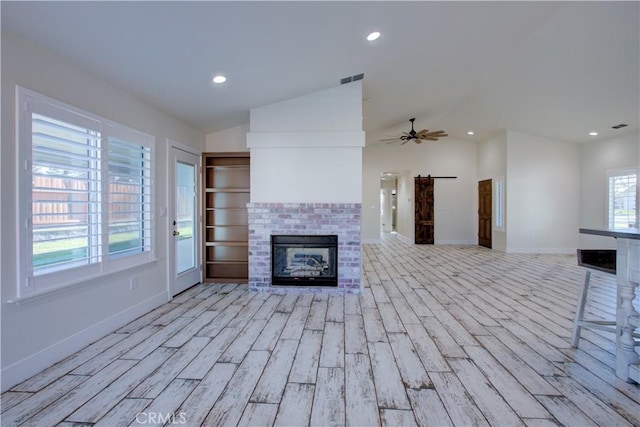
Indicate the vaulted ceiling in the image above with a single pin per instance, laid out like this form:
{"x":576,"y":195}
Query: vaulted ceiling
{"x":553,"y":69}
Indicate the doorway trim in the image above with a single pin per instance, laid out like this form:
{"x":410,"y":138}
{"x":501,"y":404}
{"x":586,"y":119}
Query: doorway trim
{"x":388,"y":202}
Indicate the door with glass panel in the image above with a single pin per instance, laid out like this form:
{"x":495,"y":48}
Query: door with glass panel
{"x":184,"y":220}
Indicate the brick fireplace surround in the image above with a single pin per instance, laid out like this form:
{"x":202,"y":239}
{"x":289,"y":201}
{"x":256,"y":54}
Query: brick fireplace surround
{"x":341,"y":219}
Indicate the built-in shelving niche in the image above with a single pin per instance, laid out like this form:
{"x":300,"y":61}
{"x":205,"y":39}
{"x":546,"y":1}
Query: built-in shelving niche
{"x":226,"y":232}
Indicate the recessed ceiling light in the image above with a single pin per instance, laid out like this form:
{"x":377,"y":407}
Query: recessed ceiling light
{"x":219,"y":79}
{"x":593,"y":133}
{"x":470,"y":132}
{"x":373,"y":36}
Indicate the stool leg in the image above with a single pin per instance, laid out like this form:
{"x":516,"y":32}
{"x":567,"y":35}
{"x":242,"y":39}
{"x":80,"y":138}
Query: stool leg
{"x":582,"y":301}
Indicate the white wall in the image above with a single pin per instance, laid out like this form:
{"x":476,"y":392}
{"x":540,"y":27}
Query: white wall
{"x":455,"y":199}
{"x":39,"y":332}
{"x":543,"y":192}
{"x":338,"y":109}
{"x":306,"y":175}
{"x":228,"y":140}
{"x":308,"y":149}
{"x":406,"y":213}
{"x":492,"y":163}
{"x":596,"y":158}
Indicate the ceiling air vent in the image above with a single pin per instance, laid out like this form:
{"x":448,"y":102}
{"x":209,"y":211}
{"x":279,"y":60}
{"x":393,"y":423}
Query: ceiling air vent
{"x":353,"y":78}
{"x":621,"y":125}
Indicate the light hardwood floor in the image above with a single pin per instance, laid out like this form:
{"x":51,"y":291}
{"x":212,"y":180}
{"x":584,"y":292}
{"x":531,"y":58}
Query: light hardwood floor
{"x":441,"y":335}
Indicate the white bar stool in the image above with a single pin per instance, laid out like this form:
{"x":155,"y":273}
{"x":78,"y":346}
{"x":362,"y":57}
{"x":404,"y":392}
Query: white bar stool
{"x":601,"y":260}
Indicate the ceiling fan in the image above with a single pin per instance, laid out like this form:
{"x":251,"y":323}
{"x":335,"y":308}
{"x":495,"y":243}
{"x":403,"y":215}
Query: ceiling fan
{"x":423,"y":135}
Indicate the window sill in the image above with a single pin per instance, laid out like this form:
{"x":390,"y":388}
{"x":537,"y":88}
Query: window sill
{"x":45,"y":293}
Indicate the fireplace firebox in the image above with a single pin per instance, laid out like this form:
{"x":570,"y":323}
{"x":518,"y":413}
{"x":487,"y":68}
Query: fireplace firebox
{"x":304,"y":260}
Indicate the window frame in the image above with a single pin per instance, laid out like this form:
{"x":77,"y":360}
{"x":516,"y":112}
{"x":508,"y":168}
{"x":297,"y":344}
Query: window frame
{"x":499,"y":193}
{"x":612,"y":173}
{"x":28,"y":282}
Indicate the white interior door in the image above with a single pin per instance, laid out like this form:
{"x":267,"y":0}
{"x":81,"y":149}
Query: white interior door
{"x":184,"y":220}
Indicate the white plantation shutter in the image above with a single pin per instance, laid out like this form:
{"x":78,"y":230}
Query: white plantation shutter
{"x":66,"y":174}
{"x":85,"y":194}
{"x":130,"y":213}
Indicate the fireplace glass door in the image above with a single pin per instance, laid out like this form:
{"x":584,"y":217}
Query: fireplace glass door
{"x":304,"y":260}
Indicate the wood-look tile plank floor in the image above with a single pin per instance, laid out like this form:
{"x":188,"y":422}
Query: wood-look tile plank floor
{"x":441,"y":335}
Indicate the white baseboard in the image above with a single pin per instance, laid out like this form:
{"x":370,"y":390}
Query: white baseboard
{"x":456,"y":242}
{"x":31,"y":365}
{"x":370,"y":241}
{"x":561,"y":251}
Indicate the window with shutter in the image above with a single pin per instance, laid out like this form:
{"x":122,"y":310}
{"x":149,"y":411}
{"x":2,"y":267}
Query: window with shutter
{"x":85,"y":188}
{"x":622,"y":200}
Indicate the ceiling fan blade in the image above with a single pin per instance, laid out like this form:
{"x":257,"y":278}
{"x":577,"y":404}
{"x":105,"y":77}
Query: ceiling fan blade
{"x":390,"y":139}
{"x":435,"y":135}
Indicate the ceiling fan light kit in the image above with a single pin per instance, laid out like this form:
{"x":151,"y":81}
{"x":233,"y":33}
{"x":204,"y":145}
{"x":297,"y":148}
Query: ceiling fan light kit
{"x":418,"y":137}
